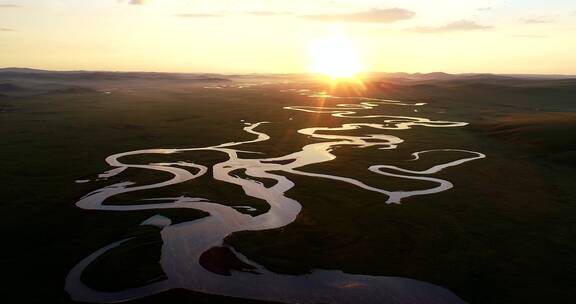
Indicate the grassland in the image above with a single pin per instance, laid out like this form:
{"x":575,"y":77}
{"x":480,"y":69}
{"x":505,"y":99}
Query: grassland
{"x":505,"y":234}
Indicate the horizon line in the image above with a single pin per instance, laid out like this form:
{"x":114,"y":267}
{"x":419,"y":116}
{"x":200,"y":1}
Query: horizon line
{"x":277,"y":73}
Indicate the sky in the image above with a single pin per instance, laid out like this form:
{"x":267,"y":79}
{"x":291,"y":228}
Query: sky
{"x":274,"y":36}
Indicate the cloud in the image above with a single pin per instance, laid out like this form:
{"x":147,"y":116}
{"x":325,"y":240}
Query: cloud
{"x":137,"y":2}
{"x":10,"y":5}
{"x":192,"y":15}
{"x":269,"y":13}
{"x":374,"y":15}
{"x":456,"y":26}
{"x":530,"y":36}
{"x":537,"y":20}
{"x":4,"y":29}
{"x":224,"y":14}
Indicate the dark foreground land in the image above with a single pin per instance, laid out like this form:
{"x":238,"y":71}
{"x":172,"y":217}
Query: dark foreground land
{"x":505,"y":234}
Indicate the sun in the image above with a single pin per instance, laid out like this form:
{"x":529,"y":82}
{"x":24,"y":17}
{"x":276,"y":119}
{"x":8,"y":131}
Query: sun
{"x":335,"y":57}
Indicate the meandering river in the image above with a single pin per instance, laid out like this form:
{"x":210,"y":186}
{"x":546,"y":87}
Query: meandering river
{"x":184,"y":243}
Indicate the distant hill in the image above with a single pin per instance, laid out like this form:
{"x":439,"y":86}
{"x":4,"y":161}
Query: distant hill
{"x":211,"y":77}
{"x":36,"y":81}
{"x":105,"y":75}
{"x":10,"y":88}
{"x":23,"y":70}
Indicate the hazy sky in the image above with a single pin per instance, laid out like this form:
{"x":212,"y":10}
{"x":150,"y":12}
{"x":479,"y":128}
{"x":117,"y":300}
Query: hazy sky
{"x":232,"y":36}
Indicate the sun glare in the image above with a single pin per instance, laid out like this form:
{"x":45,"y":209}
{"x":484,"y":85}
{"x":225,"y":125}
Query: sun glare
{"x":335,"y":57}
